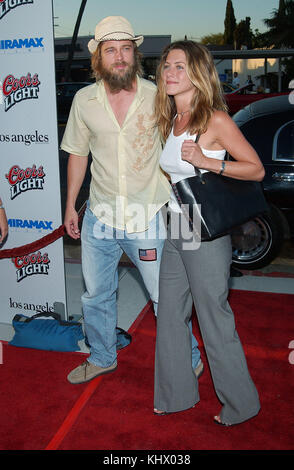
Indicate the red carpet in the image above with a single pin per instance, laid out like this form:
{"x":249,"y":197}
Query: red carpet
{"x":40,"y":410}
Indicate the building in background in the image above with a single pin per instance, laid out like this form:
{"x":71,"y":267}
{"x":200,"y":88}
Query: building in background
{"x":223,"y":66}
{"x":264,"y":65}
{"x":263,"y":72}
{"x":151,"y":49}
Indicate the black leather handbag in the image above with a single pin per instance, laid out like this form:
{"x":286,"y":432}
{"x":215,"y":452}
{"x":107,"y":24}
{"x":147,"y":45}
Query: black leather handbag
{"x":214,"y":204}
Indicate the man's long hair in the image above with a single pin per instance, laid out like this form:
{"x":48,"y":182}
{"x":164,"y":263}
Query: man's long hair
{"x":208,"y":95}
{"x":114,"y":81}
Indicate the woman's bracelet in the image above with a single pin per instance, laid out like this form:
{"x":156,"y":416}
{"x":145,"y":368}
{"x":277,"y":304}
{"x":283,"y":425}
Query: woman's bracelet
{"x":2,"y":207}
{"x":222,"y":167}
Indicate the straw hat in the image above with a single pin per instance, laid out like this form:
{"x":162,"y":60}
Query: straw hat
{"x":113,"y":28}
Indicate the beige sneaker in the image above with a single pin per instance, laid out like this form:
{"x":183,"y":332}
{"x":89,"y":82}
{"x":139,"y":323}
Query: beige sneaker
{"x":88,"y":371}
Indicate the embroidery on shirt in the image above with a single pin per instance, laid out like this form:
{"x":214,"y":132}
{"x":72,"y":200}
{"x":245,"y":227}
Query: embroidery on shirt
{"x":143,"y":143}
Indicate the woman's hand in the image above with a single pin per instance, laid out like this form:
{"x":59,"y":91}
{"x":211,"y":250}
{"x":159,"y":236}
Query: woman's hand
{"x":223,"y":133}
{"x":191,"y":152}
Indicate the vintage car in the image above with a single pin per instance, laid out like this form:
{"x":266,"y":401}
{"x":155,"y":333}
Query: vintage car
{"x":240,"y":97}
{"x":269,"y":126}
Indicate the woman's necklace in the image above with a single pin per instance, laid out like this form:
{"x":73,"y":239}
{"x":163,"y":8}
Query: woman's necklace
{"x":180,"y":120}
{"x":184,"y":112}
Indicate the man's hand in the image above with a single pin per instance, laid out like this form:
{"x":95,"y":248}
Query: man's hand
{"x":3,"y":225}
{"x":76,"y":170}
{"x":71,"y":223}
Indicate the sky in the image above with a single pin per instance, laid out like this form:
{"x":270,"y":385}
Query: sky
{"x":194,"y":18}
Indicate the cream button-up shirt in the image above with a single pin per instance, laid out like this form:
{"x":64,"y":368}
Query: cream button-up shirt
{"x":127,"y":186}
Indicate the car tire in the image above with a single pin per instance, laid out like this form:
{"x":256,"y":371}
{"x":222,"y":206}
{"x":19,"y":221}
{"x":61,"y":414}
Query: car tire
{"x":258,"y":242}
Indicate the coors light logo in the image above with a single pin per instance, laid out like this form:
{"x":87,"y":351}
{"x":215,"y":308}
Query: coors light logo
{"x":22,"y":180}
{"x":16,"y":90}
{"x":35,"y":263}
{"x":7,"y":5}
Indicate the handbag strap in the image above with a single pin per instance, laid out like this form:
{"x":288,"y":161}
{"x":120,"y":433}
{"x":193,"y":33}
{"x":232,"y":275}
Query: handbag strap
{"x":54,"y":315}
{"x":197,"y":171}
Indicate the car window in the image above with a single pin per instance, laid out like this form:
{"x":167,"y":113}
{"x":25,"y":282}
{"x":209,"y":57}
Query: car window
{"x":71,"y":90}
{"x":283,"y":148}
{"x":68,"y":90}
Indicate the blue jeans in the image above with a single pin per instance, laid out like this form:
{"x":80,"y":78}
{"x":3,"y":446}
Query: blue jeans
{"x":102,"y":247}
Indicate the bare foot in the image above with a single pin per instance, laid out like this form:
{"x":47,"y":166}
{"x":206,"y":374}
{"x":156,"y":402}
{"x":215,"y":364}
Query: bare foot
{"x":218,"y":420}
{"x":159,"y":413}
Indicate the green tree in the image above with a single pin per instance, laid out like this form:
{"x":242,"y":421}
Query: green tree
{"x":243,"y":35}
{"x":281,"y":25}
{"x":258,"y":39}
{"x":280,"y":33}
{"x":230,"y":23}
{"x":217,"y":38}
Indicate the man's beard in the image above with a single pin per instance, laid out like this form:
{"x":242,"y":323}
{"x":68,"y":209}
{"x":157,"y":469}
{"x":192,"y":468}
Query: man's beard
{"x":117,"y":82}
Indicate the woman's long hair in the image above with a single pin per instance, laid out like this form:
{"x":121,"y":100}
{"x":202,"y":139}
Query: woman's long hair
{"x":208,"y":95}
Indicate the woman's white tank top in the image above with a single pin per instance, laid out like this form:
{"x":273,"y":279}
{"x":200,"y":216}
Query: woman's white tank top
{"x":178,"y":169}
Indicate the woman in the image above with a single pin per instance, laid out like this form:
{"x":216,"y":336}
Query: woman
{"x":189,"y":102}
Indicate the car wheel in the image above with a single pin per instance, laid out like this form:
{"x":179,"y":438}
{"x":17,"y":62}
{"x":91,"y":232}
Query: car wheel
{"x":257,"y":242}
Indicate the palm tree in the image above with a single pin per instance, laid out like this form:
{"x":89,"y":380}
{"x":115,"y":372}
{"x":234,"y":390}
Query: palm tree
{"x":280,"y":33}
{"x":74,"y":40}
{"x":281,"y":25}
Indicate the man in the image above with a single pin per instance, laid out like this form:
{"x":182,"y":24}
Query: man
{"x":236,"y":80}
{"x":250,"y":83}
{"x":3,"y":223}
{"x":113,"y":118}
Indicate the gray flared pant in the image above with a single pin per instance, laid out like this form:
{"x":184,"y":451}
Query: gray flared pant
{"x":202,"y":273}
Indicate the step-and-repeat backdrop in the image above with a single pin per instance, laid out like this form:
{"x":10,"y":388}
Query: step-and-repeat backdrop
{"x":29,"y":165}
